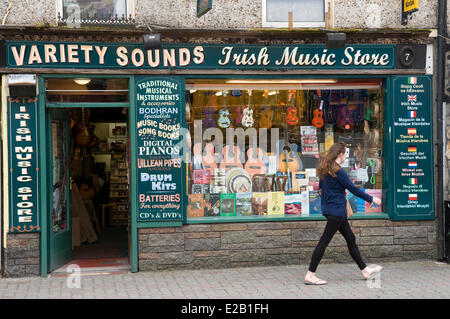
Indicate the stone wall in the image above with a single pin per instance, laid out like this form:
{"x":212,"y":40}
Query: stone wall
{"x":21,"y":256}
{"x":228,"y":245}
{"x":234,"y":14}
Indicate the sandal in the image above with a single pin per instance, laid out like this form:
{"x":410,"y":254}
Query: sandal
{"x":316,"y":282}
{"x":371,"y":271}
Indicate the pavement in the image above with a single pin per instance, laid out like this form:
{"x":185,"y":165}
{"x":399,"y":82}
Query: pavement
{"x":407,"y":280}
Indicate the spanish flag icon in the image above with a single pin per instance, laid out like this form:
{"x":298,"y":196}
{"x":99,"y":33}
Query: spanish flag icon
{"x":412,"y":148}
{"x":412,"y":131}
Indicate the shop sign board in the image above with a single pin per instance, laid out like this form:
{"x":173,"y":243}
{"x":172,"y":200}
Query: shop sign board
{"x":160,"y":166}
{"x":23,"y":162}
{"x":23,"y":54}
{"x":413,"y":148}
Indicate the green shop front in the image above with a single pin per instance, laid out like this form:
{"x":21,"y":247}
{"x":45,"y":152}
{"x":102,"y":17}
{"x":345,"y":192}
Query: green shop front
{"x":203,"y":155}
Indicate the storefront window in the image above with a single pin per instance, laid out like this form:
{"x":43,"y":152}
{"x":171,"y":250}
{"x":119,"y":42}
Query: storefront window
{"x":60,"y":171}
{"x":242,"y":131}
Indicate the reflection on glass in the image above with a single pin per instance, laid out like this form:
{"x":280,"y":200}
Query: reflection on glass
{"x":85,"y":89}
{"x":59,"y":216}
{"x":258,"y":148}
{"x":100,"y":9}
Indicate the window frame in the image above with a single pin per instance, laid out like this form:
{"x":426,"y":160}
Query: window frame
{"x":304,"y":24}
{"x":130,"y":6}
{"x":385,"y":214}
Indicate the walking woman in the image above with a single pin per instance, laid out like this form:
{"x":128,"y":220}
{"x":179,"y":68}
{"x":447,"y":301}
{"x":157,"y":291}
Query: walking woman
{"x":333,"y":184}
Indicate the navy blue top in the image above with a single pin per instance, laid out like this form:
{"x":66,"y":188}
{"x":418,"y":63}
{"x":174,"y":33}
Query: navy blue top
{"x":333,"y":194}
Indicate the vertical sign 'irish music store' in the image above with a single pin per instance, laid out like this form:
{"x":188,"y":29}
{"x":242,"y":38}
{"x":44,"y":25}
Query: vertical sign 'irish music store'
{"x":159,"y":156}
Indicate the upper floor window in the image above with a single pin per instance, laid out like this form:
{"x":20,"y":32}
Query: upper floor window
{"x":85,"y":12}
{"x":306,"y":13}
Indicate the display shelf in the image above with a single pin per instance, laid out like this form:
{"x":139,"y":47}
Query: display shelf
{"x":119,"y":188}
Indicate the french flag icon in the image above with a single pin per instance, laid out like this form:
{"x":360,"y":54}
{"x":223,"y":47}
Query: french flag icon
{"x":412,"y":114}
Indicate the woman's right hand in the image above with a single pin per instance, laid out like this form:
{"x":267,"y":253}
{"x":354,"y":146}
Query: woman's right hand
{"x":377,"y":201}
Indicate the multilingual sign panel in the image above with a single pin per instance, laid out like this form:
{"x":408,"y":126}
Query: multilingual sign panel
{"x":413,"y":148}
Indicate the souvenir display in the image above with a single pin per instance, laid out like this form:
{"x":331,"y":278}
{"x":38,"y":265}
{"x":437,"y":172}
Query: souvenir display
{"x":212,"y":205}
{"x":195,"y":206}
{"x":275,"y":203}
{"x":238,"y":181}
{"x":227,"y":204}
{"x":243,"y":204}
{"x":255,"y":164}
{"x":315,"y":205}
{"x":268,"y":165}
{"x":292,"y":204}
{"x":259,"y":203}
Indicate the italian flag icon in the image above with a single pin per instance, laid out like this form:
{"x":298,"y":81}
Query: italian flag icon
{"x":413,"y":181}
{"x":412,"y":80}
{"x":412,"y":196}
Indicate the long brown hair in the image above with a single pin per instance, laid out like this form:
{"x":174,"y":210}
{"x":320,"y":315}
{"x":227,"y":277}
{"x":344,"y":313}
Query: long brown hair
{"x":327,"y":164}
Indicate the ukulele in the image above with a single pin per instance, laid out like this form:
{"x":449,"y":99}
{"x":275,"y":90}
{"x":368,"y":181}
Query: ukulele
{"x":255,"y":164}
{"x":224,"y":114}
{"x":83,"y":136}
{"x":265,"y":117}
{"x":230,"y":157}
{"x":292,"y":118}
{"x":302,"y":105}
{"x":317,"y":120}
{"x":239,"y":115}
{"x":287,"y":161}
{"x":247,"y":119}
{"x":208,"y":121}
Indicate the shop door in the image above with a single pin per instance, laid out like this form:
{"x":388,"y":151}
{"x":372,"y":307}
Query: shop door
{"x":60,"y":228}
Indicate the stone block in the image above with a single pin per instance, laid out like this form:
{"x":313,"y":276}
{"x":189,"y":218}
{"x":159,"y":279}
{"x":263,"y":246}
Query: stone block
{"x":236,"y":237}
{"x":174,"y":258}
{"x":202,"y":235}
{"x":411,"y":232}
{"x":410,"y":241}
{"x":247,"y":255}
{"x":301,"y":224}
{"x":368,"y":223}
{"x":275,"y":260}
{"x":202,"y":244}
{"x":273,"y":232}
{"x":376,"y":231}
{"x":273,"y":241}
{"x":161,"y":249}
{"x":238,"y":246}
{"x":385,"y":251}
{"x":306,"y":234}
{"x":194,"y":228}
{"x":156,"y":230}
{"x":212,"y":262}
{"x":376,"y":240}
{"x":228,"y":227}
{"x":267,"y":225}
{"x":172,"y":239}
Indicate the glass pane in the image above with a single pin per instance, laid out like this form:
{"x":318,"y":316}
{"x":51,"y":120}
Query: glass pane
{"x":60,"y":170}
{"x":238,"y":133}
{"x":102,"y":9}
{"x":86,"y":90}
{"x":302,"y":10}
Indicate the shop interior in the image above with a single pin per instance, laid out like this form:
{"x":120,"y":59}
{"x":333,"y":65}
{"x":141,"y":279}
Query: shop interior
{"x":99,"y":173}
{"x":243,"y":178}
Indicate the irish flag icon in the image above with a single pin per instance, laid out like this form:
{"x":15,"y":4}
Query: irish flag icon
{"x":412,"y":80}
{"x":413,"y":181}
{"x":412,"y":131}
{"x":412,"y":114}
{"x":412,"y":196}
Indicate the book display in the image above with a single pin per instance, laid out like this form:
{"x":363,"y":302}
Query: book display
{"x":261,"y":147}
